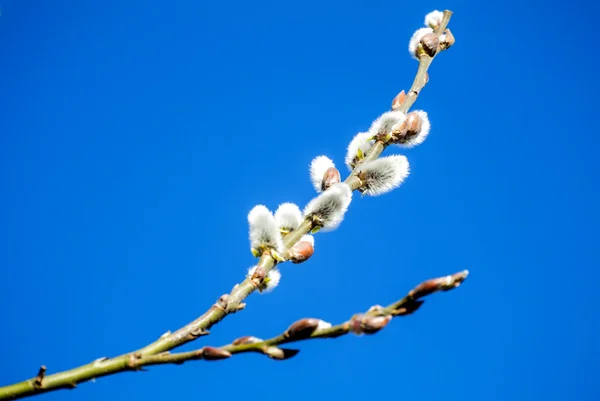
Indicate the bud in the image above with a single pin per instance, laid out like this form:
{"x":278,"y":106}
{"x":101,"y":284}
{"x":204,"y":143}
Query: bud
{"x":408,"y":308}
{"x":303,"y":250}
{"x":412,"y":131}
{"x":438,"y":284}
{"x":288,"y":217}
{"x":331,"y":176}
{"x":366,"y":324}
{"x":330,"y":207}
{"x":429,"y":44}
{"x":257,"y":274}
{"x":358,"y":148}
{"x":446,"y":39}
{"x":398,"y":100}
{"x":415,"y":40}
{"x":246,"y":340}
{"x":382,"y":175}
{"x":302,"y":328}
{"x":213,"y":353}
{"x":323,"y":173}
{"x":263,"y":232}
{"x":434,"y":19}
{"x":222,"y":301}
{"x":280,"y":353}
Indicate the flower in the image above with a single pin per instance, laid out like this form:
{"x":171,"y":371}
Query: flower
{"x":384,"y":174}
{"x":328,"y":209}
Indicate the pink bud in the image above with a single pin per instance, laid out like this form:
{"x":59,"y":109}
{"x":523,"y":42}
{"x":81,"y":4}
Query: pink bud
{"x":398,"y":100}
{"x":301,"y":252}
{"x":368,"y":324}
{"x":438,"y":284}
{"x":331,"y":176}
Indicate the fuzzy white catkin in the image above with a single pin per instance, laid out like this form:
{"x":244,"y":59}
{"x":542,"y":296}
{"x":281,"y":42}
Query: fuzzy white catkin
{"x":272,"y":281}
{"x":434,"y":18}
{"x":318,"y":167}
{"x":413,"y":44}
{"x":422,"y":135}
{"x":360,"y":141}
{"x":264,"y":230}
{"x":331,"y":205}
{"x":288,"y":216}
{"x":384,"y":123}
{"x":384,"y":174}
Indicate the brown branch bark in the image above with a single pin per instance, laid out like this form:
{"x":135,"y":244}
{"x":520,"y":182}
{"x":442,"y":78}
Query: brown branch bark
{"x":227,"y":304}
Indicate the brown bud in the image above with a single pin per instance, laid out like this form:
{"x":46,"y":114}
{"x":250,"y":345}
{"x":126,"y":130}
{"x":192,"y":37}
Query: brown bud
{"x":331,"y":176}
{"x":438,"y":284}
{"x":408,"y":308}
{"x":413,"y":126}
{"x":302,"y":328}
{"x":368,"y":324}
{"x":430,"y":43}
{"x":222,"y":301}
{"x":301,"y":252}
{"x":398,"y":100}
{"x":446,"y":39}
{"x":246,"y":340}
{"x":259,"y":275}
{"x":214,"y":353}
{"x":280,"y":353}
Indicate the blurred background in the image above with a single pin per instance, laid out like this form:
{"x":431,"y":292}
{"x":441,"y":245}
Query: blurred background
{"x":135,"y":136}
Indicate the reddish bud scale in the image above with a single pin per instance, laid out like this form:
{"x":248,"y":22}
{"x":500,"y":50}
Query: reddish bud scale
{"x":213,"y":353}
{"x":365,"y":324}
{"x":398,"y":100}
{"x":438,"y":284}
{"x":430,"y":43}
{"x":302,"y":328}
{"x":330,"y":177}
{"x":301,"y":252}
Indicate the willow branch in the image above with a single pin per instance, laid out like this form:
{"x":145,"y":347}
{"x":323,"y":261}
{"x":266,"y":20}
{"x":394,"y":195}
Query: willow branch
{"x":370,"y":322}
{"x":225,"y":305}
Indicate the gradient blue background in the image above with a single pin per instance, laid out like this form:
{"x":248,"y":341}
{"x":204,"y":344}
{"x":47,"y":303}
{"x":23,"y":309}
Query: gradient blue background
{"x":135,"y":136}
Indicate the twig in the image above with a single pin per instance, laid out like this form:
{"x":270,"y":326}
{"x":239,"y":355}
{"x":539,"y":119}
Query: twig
{"x":227,"y":304}
{"x":306,"y":329}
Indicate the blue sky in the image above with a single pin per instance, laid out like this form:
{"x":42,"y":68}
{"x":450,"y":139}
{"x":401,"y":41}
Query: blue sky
{"x":135,"y":136}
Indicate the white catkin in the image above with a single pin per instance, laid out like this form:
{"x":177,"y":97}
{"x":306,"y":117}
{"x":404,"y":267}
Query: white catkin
{"x":384,"y":123}
{"x":264,"y":231}
{"x":272,"y":280}
{"x":384,"y":174}
{"x":318,"y":166}
{"x":331,"y":205}
{"x":288,"y":216}
{"x":413,"y":44}
{"x":434,"y":19}
{"x":360,"y":141}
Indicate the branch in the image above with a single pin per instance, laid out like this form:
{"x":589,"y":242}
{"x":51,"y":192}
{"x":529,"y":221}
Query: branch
{"x":157,"y":351}
{"x":370,"y":322}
